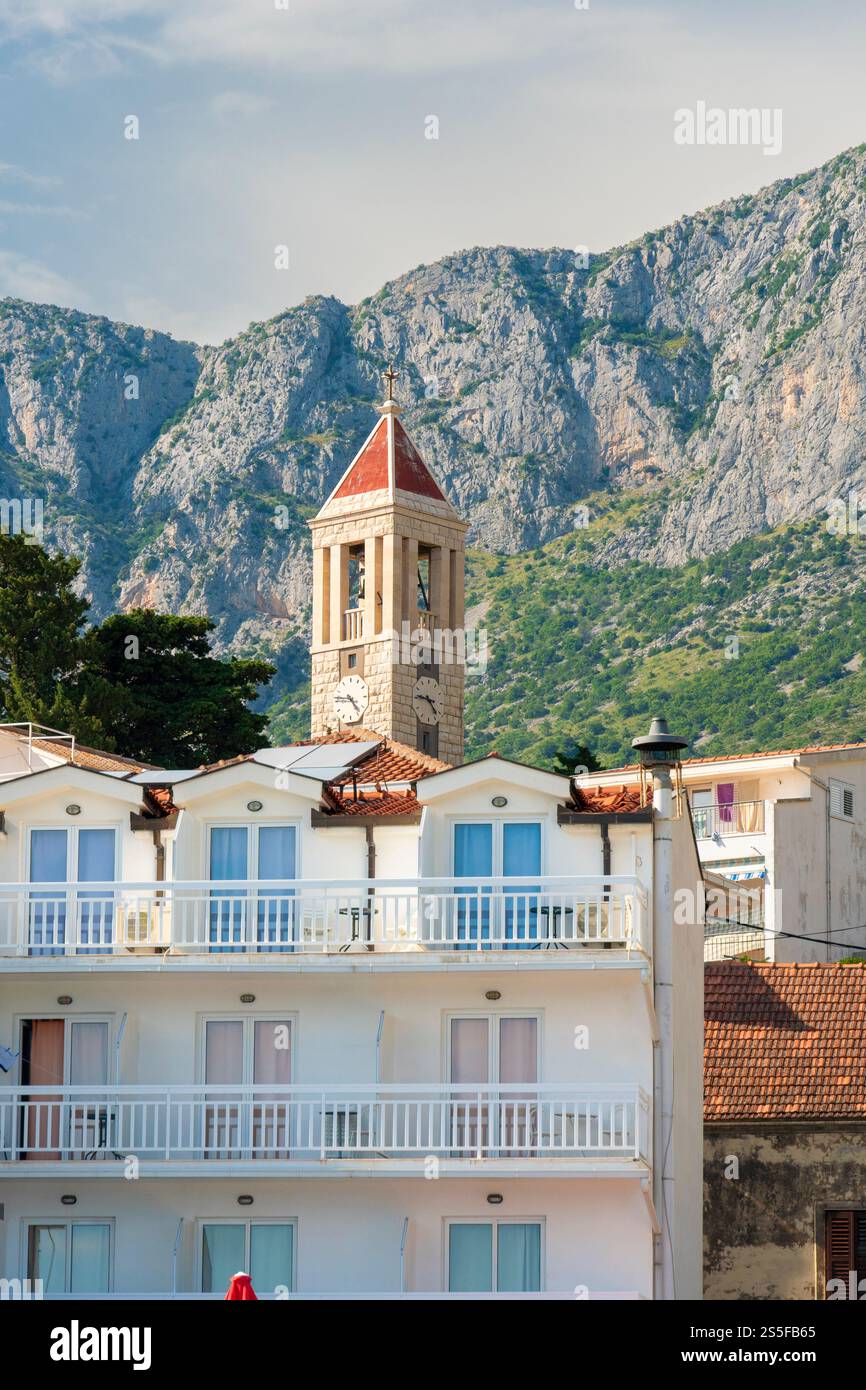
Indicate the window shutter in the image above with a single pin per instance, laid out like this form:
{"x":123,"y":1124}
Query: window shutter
{"x":847,"y":801}
{"x":841,"y":799}
{"x":839,"y":1244}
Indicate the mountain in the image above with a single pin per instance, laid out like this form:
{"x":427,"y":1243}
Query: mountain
{"x":632,"y":419}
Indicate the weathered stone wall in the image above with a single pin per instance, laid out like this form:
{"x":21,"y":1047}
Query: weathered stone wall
{"x":764,"y":1227}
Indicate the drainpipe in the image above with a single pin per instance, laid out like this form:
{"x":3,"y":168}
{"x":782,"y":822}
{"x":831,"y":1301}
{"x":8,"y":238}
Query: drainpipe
{"x":825,"y":788}
{"x":605,"y":856}
{"x":174,"y":1257}
{"x":371,"y":874}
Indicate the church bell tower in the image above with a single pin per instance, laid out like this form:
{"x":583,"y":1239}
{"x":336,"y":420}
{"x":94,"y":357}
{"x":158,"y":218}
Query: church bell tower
{"x":388,"y":610}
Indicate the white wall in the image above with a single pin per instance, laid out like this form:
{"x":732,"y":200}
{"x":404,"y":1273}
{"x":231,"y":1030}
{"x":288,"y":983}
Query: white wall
{"x":596,"y":1232}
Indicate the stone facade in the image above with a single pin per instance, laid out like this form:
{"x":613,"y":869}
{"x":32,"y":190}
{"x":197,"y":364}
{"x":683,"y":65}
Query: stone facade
{"x":767,"y":1191}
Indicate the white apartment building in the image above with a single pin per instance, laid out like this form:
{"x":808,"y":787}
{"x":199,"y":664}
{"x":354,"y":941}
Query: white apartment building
{"x":782,"y":843}
{"x":359,"y":1021}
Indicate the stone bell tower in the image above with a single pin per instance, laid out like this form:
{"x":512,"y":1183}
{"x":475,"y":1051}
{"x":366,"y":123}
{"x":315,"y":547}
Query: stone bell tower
{"x":388,"y":611}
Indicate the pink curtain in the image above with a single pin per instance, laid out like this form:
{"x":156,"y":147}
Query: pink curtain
{"x":45,"y":1068}
{"x":272,"y":1064}
{"x":725,"y":799}
{"x":469,"y":1050}
{"x":224,"y":1066}
{"x":518,"y":1049}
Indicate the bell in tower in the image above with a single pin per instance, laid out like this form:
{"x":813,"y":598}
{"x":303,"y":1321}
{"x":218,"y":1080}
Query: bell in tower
{"x":388,"y":608}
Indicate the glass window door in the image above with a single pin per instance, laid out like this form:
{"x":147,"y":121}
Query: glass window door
{"x":65,"y":1052}
{"x":65,"y":857}
{"x":493,"y":1050}
{"x":265,"y":1249}
{"x":239,"y":1053}
{"x":493,"y":849}
{"x":70,"y":1257}
{"x":494,"y":1257}
{"x":252,"y":852}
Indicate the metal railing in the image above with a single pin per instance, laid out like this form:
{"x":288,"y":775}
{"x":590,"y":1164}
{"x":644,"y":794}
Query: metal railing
{"x":729,"y":818}
{"x":268,"y":916}
{"x":306,"y":1123}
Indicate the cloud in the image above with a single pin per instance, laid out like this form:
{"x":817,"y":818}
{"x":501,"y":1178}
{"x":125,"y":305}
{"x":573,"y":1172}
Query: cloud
{"x":22,"y":278}
{"x":233,"y":103}
{"x":13,"y":173}
{"x":39,"y":210}
{"x":324,"y":36}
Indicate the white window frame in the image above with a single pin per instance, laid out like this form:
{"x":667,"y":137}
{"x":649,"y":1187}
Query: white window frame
{"x":68,"y":1222}
{"x":495,"y":1221}
{"x":492,"y":1016}
{"x":498,"y":821}
{"x":252,"y":828}
{"x":72,"y":834}
{"x":249,"y":1020}
{"x":246,"y":1222}
{"x":836,"y":794}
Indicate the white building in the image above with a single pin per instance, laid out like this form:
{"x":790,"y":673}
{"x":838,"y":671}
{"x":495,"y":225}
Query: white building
{"x":782,"y":844}
{"x":343,"y":1015}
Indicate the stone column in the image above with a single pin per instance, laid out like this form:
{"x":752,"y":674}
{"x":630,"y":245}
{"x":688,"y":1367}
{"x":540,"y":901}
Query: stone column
{"x":392,"y":582}
{"x":372,"y":584}
{"x":339,"y":589}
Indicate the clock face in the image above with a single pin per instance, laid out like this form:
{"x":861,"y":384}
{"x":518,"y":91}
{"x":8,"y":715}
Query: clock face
{"x":428,"y":700}
{"x":351,"y":698}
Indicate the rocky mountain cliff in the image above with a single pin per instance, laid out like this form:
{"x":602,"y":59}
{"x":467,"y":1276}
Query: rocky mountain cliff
{"x":716,"y":366}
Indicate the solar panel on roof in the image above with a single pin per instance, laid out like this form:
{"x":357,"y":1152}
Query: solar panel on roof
{"x":338,"y":754}
{"x":324,"y":761}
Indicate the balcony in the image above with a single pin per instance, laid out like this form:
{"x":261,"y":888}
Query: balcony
{"x":731,"y":818}
{"x":304,"y":917}
{"x":375,"y":1129}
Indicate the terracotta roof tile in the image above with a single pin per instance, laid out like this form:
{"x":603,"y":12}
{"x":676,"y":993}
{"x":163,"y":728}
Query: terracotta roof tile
{"x":93,"y":759}
{"x":784,"y":1041}
{"x":609,"y":800}
{"x":378,"y":803}
{"x":749,"y":757}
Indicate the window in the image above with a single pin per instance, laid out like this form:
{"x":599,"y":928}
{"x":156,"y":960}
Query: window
{"x":265,"y":1249}
{"x":256,"y":918}
{"x":71,"y":855}
{"x":70,"y":1256}
{"x":841,"y":799}
{"x":493,"y":1050}
{"x":239,"y":1052}
{"x":65,"y":1052}
{"x":494,"y":1257}
{"x":844,"y":1247}
{"x":493,"y":849}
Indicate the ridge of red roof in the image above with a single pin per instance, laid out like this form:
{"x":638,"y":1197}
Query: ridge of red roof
{"x":784,"y":1042}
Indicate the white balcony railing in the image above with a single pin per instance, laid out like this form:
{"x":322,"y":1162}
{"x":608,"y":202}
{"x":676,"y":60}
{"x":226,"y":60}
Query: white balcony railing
{"x":353,"y":624}
{"x":308,"y":1123}
{"x":731,"y":818}
{"x":243,"y":917}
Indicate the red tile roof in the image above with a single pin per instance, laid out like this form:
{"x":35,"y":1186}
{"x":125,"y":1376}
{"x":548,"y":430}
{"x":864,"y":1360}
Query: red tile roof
{"x":377,"y":803}
{"x":784,"y":1042}
{"x":93,"y":759}
{"x":765,"y":753}
{"x":369,"y":471}
{"x":608,"y":800}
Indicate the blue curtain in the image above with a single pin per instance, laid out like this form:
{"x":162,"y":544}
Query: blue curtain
{"x":47,"y":910}
{"x":228,"y":861}
{"x":271,"y":1257}
{"x":470,"y":1258}
{"x":276,"y":914}
{"x":96,"y":859}
{"x":473,"y":858}
{"x":518,"y":1258}
{"x":223,"y":1254}
{"x":521,"y":854}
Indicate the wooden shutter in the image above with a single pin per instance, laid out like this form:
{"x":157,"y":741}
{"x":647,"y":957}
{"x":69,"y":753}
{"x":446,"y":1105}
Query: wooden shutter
{"x":839,"y":1244}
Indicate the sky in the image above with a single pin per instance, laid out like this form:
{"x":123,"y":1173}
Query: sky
{"x":306,"y":124}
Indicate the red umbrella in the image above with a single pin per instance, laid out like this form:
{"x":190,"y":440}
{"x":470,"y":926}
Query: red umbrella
{"x":241,"y":1287}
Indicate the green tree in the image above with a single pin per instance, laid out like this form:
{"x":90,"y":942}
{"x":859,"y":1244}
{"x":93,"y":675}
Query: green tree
{"x":41,"y":618}
{"x":573,"y":755}
{"x":164,"y":696}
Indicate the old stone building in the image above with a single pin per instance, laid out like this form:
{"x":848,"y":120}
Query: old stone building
{"x":785,"y":1131}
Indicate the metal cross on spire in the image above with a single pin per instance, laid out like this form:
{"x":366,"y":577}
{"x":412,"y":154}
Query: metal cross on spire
{"x":390,"y":376}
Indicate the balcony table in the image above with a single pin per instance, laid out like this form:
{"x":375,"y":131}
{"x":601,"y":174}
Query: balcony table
{"x":356,"y":913}
{"x":552,"y":916}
